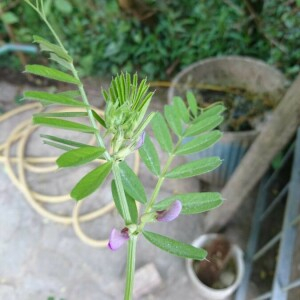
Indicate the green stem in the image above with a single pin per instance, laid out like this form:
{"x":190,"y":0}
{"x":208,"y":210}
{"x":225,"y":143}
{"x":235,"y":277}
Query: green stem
{"x":130,"y":269}
{"x":159,"y":183}
{"x":53,"y":33}
{"x":81,"y":90}
{"x":90,"y":113}
{"x":121,"y":193}
{"x":120,"y":189}
{"x":161,"y":178}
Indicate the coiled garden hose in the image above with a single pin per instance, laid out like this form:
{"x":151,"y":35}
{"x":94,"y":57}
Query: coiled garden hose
{"x":23,"y":162}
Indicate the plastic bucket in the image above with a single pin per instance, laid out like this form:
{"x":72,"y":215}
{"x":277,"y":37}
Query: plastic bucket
{"x":241,"y":72}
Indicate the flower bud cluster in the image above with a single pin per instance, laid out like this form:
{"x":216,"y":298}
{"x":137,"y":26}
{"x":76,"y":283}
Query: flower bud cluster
{"x":126,"y":105}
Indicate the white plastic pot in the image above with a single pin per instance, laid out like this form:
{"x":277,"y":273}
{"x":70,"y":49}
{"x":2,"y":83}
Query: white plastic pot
{"x":206,"y":292}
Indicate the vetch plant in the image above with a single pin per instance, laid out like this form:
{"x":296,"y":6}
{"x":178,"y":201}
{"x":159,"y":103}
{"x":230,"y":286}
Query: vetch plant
{"x":124,"y":125}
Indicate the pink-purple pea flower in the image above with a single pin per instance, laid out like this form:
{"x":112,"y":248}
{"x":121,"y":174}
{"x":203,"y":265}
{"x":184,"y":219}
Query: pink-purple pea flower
{"x":171,"y":213}
{"x":118,"y":238}
{"x":141,"y":141}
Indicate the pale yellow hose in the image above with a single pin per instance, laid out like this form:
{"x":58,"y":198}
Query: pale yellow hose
{"x":20,"y":136}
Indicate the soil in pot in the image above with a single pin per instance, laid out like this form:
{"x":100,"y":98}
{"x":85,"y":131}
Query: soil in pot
{"x":244,"y":110}
{"x":218,"y":271}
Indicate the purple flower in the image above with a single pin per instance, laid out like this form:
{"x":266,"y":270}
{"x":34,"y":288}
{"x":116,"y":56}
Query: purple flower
{"x":117,"y":238}
{"x":141,"y":141}
{"x":171,"y":213}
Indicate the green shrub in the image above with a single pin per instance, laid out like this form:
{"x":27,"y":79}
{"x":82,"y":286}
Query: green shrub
{"x":103,"y":39}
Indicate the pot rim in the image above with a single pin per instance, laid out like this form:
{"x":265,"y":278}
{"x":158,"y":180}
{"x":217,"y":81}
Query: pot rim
{"x":233,"y":58}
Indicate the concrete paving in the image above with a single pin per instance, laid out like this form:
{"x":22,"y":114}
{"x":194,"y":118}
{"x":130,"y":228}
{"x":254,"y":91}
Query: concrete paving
{"x":41,"y":259}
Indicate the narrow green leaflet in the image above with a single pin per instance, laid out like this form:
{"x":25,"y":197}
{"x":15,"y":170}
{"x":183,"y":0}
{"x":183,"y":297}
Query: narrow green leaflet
{"x":80,"y":156}
{"x":174,"y":247}
{"x":214,"y":109}
{"x":50,"y":47}
{"x":63,"y":124}
{"x":139,"y":100}
{"x":71,"y":93}
{"x":61,"y":61}
{"x":149,"y":156}
{"x":91,"y":181}
{"x":62,"y":114}
{"x":63,"y":141}
{"x":181,"y":109}
{"x":173,"y":119}
{"x":162,"y":133}
{"x":58,"y":146}
{"x":204,"y":125}
{"x":146,"y":100}
{"x":132,"y":184}
{"x":143,"y":125}
{"x":192,"y":203}
{"x":199,"y":143}
{"x":53,"y":98}
{"x":194,"y":168}
{"x":130,"y":201}
{"x":51,"y":73}
{"x":192,"y":103}
{"x":99,"y":119}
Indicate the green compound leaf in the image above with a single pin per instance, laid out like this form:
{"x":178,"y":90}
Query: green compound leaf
{"x":195,"y":168}
{"x":181,"y":109}
{"x":53,"y":99}
{"x":130,"y":201}
{"x":203,"y":125}
{"x":192,"y":203}
{"x":193,"y":106}
{"x":175,"y":247}
{"x":50,"y":47}
{"x":162,"y":133}
{"x":51,"y":73}
{"x":132,"y":185}
{"x":149,"y":156}
{"x":199,"y":143}
{"x":173,"y":119}
{"x":63,"y":124}
{"x":80,"y":156}
{"x":91,"y":182}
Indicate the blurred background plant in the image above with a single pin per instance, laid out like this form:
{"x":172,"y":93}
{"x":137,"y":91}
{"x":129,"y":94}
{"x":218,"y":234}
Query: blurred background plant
{"x":158,"y":38}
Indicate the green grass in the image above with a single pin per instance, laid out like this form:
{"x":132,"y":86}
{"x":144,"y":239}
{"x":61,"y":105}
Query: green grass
{"x":104,"y":40}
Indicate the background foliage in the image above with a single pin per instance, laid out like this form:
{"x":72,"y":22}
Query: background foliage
{"x":103,"y":39}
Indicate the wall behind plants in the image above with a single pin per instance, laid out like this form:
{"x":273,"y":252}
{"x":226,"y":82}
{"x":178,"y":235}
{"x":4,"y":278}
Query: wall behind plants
{"x":104,"y":39}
